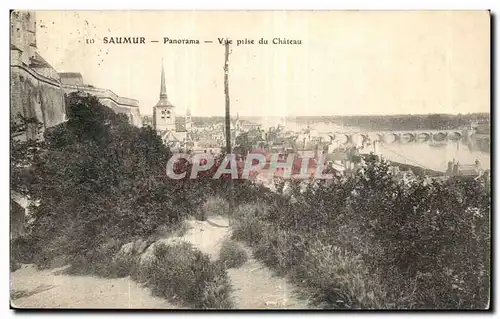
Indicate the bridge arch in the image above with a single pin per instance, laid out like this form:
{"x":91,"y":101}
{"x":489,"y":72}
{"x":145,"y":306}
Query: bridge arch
{"x":390,"y":138}
{"x":380,"y":137}
{"x":440,"y":136}
{"x":423,"y":137}
{"x":407,"y":137}
{"x":358,"y":138}
{"x":454,"y":136}
{"x":372,"y":136}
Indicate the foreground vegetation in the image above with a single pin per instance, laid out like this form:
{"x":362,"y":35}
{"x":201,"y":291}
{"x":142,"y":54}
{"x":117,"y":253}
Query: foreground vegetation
{"x":182,"y":273}
{"x":232,"y":254}
{"x":103,"y":197}
{"x":372,"y":242}
{"x":367,"y":241}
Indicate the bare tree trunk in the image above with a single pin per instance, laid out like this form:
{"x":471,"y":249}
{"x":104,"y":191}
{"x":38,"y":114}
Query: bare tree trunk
{"x":228,"y":124}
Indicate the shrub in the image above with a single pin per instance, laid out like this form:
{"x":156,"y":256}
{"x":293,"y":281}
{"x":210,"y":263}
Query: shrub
{"x":232,"y":254}
{"x":340,"y":280}
{"x":22,"y":249}
{"x":429,"y":241}
{"x":181,"y":229}
{"x":280,"y":249}
{"x":53,"y":252}
{"x":182,"y":273}
{"x":119,"y":188}
{"x":213,"y":206}
{"x":176,"y":230}
{"x":99,"y":261}
{"x":14,"y":265}
{"x":248,"y":225}
{"x":126,"y":261}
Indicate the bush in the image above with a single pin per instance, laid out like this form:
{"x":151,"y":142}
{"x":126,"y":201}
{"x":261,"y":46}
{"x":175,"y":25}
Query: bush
{"x":248,"y":225}
{"x":232,"y":254}
{"x":430,"y":242}
{"x":279,"y":249}
{"x":100,"y":261}
{"x":184,"y":274}
{"x":164,"y":231}
{"x":181,"y":229}
{"x":116,"y":174}
{"x":52,"y":253}
{"x":213,"y":206}
{"x":14,"y":265}
{"x":23,"y":249}
{"x":126,"y":261}
{"x":339,"y":279}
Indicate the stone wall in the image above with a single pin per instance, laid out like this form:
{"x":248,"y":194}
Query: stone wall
{"x":23,"y":34}
{"x":17,"y":219}
{"x":36,"y":89}
{"x":35,"y":92}
{"x":33,"y":95}
{"x":73,"y":82}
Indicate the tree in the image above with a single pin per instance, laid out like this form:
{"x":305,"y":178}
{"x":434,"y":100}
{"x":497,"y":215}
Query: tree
{"x":243,"y":145}
{"x":99,"y":179}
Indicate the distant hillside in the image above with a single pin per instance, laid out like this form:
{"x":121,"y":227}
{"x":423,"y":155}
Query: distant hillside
{"x":368,"y":122}
{"x":401,"y":122}
{"x":201,"y":120}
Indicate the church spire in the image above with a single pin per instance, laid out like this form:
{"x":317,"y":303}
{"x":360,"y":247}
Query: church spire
{"x":163,"y":89}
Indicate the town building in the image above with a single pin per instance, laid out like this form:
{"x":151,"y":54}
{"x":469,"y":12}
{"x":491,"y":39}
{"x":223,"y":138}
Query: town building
{"x":172,"y":130}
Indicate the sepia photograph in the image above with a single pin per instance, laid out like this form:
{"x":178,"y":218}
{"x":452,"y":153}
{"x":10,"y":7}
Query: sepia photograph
{"x":250,"y":160}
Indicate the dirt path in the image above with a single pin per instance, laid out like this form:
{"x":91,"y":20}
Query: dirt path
{"x":207,"y":236}
{"x":258,"y":288}
{"x":255,"y":285}
{"x":33,"y":288}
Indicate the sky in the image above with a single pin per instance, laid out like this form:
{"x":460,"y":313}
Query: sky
{"x":349,"y":62}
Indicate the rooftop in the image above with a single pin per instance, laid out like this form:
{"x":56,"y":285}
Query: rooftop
{"x":39,"y":62}
{"x":164,"y":103}
{"x":70,"y":74}
{"x":71,"y":78}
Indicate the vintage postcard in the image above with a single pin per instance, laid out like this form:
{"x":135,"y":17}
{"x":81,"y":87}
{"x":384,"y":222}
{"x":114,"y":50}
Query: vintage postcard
{"x":250,"y":159}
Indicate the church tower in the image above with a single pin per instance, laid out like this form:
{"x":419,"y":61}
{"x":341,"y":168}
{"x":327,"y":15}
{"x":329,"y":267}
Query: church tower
{"x":163,"y":111}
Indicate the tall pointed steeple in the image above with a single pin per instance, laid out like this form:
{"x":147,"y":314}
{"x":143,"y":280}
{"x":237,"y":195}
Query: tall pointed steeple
{"x":164,"y":111}
{"x":163,"y":89}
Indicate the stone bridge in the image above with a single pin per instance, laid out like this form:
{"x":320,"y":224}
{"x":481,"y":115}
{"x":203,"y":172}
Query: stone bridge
{"x":418,"y":136}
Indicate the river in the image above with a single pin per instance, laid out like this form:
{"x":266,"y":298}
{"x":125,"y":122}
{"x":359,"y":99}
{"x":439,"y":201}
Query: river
{"x":421,"y":154}
{"x":431,"y":157}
